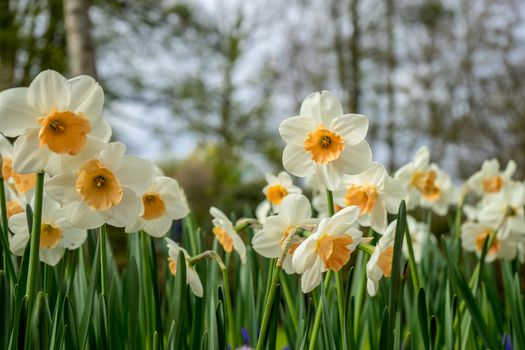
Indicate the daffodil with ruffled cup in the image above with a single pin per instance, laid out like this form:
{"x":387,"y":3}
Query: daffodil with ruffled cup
{"x":277,"y":188}
{"x":328,"y":248}
{"x":164,"y":201}
{"x":103,"y":189}
{"x":52,"y":117}
{"x":325,"y":141}
{"x":226,"y":235}
{"x":192,"y":278}
{"x":380,"y":263}
{"x":56,"y":234}
{"x":295,"y":212}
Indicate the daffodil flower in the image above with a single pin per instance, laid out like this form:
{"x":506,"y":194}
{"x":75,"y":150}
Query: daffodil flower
{"x":380,"y":263}
{"x":374,"y":192}
{"x":428,"y":186}
{"x":324,"y":141}
{"x":15,"y":202}
{"x":474,"y":234}
{"x":56,"y":233}
{"x":104,"y":189}
{"x":226,"y":235}
{"x":295,"y":211}
{"x":164,"y":201}
{"x":52,"y":117}
{"x":276,"y":190}
{"x":490,"y":180}
{"x":420,"y":236}
{"x":192,"y":278}
{"x":328,"y":248}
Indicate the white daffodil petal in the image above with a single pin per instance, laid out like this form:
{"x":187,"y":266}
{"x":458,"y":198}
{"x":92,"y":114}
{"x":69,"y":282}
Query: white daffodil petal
{"x":49,"y":89}
{"x":296,"y":161}
{"x":135,"y":173}
{"x":87,"y":97}
{"x":17,"y":114}
{"x":353,"y":127}
{"x":311,"y":277}
{"x":356,"y":158}
{"x":112,"y":154}
{"x":329,"y":175}
{"x":295,"y":208}
{"x":296,"y":129}
{"x":304,"y":255}
{"x":52,"y":256}
{"x":28,"y":156}
{"x":126,"y":211}
{"x":158,"y":227}
{"x":266,"y":245}
{"x":73,"y":238}
{"x":193,"y":279}
{"x":102,"y":130}
{"x":61,"y":188}
{"x":82,"y":216}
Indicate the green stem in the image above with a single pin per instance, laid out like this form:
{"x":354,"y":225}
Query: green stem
{"x":146,"y":275}
{"x":8,"y":263}
{"x":412,"y":261}
{"x":318,"y":314}
{"x":227,"y":297}
{"x":35,"y":243}
{"x":339,"y":291}
{"x":103,"y":260}
{"x":289,"y":301}
{"x":268,"y":308}
{"x":365,"y":247}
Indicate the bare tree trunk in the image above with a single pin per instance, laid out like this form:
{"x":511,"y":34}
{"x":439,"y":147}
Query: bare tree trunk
{"x":80,"y":47}
{"x":391,"y":64}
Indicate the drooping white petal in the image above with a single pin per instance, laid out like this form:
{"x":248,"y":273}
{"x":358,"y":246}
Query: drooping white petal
{"x":267,"y":243}
{"x":305,"y":255}
{"x":52,"y":256}
{"x":102,"y":130}
{"x":312,"y":276}
{"x":295,"y":208}
{"x":192,"y":278}
{"x":73,"y":237}
{"x":112,"y":154}
{"x":87,"y":97}
{"x":330,"y":175}
{"x":158,"y":227}
{"x":16,"y":114}
{"x":353,"y":127}
{"x":135,"y":226}
{"x":28,"y":156}
{"x":238,"y":245}
{"x":18,"y":225}
{"x":378,"y":219}
{"x":49,"y":89}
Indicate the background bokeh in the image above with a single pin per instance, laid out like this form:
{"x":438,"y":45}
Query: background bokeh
{"x":201,"y":86}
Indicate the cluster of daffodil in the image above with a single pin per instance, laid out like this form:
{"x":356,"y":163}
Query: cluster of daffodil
{"x":64,"y":170}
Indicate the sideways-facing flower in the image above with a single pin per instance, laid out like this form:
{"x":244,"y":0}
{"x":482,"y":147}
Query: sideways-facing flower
{"x":56,"y":234}
{"x":295,"y":211}
{"x":104,"y":189}
{"x":15,"y":202}
{"x":374,"y":192}
{"x":490,"y":180}
{"x":505,"y":210}
{"x":380,"y":263}
{"x":192,"y":278}
{"x":53,"y":116}
{"x":328,"y":248}
{"x":325,"y":141}
{"x":164,"y":201}
{"x":474,"y":234}
{"x":22,"y":183}
{"x":276,"y":190}
{"x":428,"y":186}
{"x":226,"y":235}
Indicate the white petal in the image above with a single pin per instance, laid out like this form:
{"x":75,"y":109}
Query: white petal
{"x":375,"y":174}
{"x":102,"y":130}
{"x":49,"y":89}
{"x":71,"y":163}
{"x":329,"y":174}
{"x":218,"y":214}
{"x":82,"y":216}
{"x":238,"y":245}
{"x":371,"y":287}
{"x":422,"y":158}
{"x":176,"y":208}
{"x":28,"y":156}
{"x":112,"y":155}
{"x":135,"y":173}
{"x":127,"y":211}
{"x":266,"y":244}
{"x":18,"y":225}
{"x":135,"y":226}
{"x":16,"y":114}
{"x":322,"y":107}
{"x":355,"y":159}
{"x":73,"y":238}
{"x":52,"y":256}
{"x":61,"y":188}
{"x":378,"y":220}
{"x":158,"y":227}
{"x":297,"y":161}
{"x":262,"y":211}
{"x":87,"y":97}
{"x":295,"y":208}
{"x":296,"y":129}
{"x":6,"y":148}
{"x":192,"y":278}
{"x":311,"y":277}
{"x":353,"y":127}
{"x":305,"y":255}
